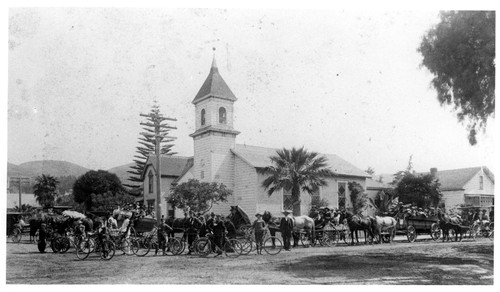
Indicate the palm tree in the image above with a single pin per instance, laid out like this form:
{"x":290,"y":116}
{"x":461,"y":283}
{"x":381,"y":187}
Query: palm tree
{"x":294,"y":171}
{"x":45,"y":190}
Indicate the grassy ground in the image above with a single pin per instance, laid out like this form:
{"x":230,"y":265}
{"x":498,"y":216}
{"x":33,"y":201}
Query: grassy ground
{"x":419,"y":263}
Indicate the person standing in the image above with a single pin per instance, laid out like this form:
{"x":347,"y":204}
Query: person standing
{"x":259,"y":227}
{"x":219,"y":230}
{"x":286,"y":228}
{"x":42,"y":235}
{"x":190,"y":230}
{"x":163,"y":228}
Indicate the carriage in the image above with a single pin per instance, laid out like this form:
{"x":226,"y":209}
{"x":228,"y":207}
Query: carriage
{"x":414,"y":225}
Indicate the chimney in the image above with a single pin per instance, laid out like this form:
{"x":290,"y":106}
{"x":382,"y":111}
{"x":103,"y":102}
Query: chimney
{"x":434,"y":170}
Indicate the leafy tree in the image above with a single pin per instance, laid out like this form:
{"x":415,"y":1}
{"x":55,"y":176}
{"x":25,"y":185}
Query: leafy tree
{"x":294,"y":171}
{"x":45,"y":190}
{"x":419,"y":190}
{"x":359,"y":199}
{"x":69,"y":200}
{"x":25,"y":208}
{"x":147,"y":146}
{"x":97,"y":183}
{"x":385,"y":202}
{"x":319,"y":202}
{"x":370,"y":170}
{"x":460,"y":53}
{"x":398,"y":176}
{"x":198,"y":196}
{"x":108,"y":201}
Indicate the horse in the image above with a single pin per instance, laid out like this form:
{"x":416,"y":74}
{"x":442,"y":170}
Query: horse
{"x":300,"y":223}
{"x":386,"y":222}
{"x":447,"y":223}
{"x":357,"y":222}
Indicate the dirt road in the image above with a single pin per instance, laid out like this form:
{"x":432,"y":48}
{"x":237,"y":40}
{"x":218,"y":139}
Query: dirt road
{"x":418,"y":263}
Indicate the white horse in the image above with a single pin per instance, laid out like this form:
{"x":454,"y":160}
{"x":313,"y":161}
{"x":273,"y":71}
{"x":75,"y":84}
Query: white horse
{"x":385,"y":223}
{"x":303,"y":223}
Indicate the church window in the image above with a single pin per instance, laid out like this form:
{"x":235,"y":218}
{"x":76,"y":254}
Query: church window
{"x":316,"y":199}
{"x":481,"y":182}
{"x":342,"y":187}
{"x":287,"y":200}
{"x":202,"y":174}
{"x":222,"y":115}
{"x":150,"y":182}
{"x":203,"y":117}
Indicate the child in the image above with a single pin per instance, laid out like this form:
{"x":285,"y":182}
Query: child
{"x":260,"y":227}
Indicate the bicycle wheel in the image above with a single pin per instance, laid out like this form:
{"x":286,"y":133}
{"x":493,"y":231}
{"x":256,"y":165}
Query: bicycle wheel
{"x":247,"y":245}
{"x":125,"y":245}
{"x":232,"y":248}
{"x":16,"y":235}
{"x":174,"y":247}
{"x":84,"y":248}
{"x":325,"y":241}
{"x":474,"y":231}
{"x":332,"y":233}
{"x":107,"y":250}
{"x":64,"y":244}
{"x":141,"y":246}
{"x":273,"y":245}
{"x":202,"y":247}
{"x":491,"y":235}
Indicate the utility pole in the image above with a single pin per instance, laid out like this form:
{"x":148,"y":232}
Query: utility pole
{"x":20,"y":181}
{"x":161,"y":129}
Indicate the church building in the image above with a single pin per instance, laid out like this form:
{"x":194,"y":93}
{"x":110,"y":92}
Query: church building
{"x":218,"y":158}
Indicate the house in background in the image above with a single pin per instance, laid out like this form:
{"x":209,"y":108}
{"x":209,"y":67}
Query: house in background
{"x":473,"y":186}
{"x":372,"y":190}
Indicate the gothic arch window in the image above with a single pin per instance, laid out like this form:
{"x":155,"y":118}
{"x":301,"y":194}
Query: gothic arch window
{"x":150,"y":182}
{"x":203,"y":117}
{"x":222,"y":115}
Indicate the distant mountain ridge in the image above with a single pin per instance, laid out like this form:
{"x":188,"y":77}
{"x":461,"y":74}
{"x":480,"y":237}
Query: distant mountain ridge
{"x":59,"y":168}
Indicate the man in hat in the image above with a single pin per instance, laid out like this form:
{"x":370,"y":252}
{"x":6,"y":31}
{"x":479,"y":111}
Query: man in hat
{"x":259,"y":227}
{"x":219,"y":230}
{"x":210,"y":222}
{"x":286,"y":228}
{"x":231,"y":229}
{"x":190,"y":229}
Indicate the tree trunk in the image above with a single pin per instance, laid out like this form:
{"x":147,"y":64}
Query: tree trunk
{"x":296,"y":209}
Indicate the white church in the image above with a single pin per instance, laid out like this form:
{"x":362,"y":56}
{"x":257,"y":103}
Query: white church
{"x":218,"y":158}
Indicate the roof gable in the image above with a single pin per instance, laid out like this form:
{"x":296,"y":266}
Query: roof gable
{"x":456,"y":179}
{"x":170,"y":165}
{"x":258,"y":157}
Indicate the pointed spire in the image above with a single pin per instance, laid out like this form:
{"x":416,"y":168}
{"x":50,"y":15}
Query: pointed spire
{"x":214,"y":64}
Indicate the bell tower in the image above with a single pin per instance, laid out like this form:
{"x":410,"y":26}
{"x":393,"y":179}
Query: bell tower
{"x":214,"y":135}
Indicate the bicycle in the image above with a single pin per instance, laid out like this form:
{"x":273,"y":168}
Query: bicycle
{"x":102,"y":245}
{"x":16,"y":234}
{"x":122,"y":242}
{"x":272,"y":245}
{"x":142,"y":245}
{"x":205,"y":245}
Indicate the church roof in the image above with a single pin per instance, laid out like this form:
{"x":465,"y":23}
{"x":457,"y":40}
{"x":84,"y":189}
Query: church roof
{"x":214,"y":86}
{"x":170,"y":165}
{"x":258,"y":157}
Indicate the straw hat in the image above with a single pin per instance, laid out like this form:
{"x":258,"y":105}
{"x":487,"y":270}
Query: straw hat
{"x":286,"y":212}
{"x":258,"y":215}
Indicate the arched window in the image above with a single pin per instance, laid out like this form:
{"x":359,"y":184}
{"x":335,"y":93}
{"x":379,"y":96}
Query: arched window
{"x":222,"y":115}
{"x":203,"y":117}
{"x":150,"y":182}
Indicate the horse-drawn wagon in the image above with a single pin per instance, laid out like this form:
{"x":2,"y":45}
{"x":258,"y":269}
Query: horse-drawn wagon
{"x":414,"y":225}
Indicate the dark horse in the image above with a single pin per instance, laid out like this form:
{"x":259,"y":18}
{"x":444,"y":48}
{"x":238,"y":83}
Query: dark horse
{"x":303,"y":222}
{"x":448,"y":223}
{"x":358,"y":222}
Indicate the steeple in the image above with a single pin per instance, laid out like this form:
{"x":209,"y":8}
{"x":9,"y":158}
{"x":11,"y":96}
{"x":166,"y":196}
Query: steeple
{"x":214,"y":86}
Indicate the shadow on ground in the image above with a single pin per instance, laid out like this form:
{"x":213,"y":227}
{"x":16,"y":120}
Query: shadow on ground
{"x":402,"y":268}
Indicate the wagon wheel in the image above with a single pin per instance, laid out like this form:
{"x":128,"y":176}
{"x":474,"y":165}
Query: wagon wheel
{"x":386,"y":238}
{"x":16,"y":235}
{"x":346,"y":234}
{"x":411,"y":233}
{"x":332,"y":233}
{"x":435,"y":231}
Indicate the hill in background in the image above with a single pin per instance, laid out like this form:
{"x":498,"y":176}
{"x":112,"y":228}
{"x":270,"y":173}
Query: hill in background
{"x":59,"y":168}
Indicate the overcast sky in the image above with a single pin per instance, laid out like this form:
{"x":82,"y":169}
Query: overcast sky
{"x":341,"y":82}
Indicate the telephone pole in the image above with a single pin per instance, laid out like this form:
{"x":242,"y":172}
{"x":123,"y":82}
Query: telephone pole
{"x":159,"y":135}
{"x":19,"y":180}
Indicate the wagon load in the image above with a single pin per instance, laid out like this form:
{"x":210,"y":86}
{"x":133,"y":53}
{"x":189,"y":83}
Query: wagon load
{"x":73,"y":214}
{"x":143,"y":225}
{"x":240,"y":219}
